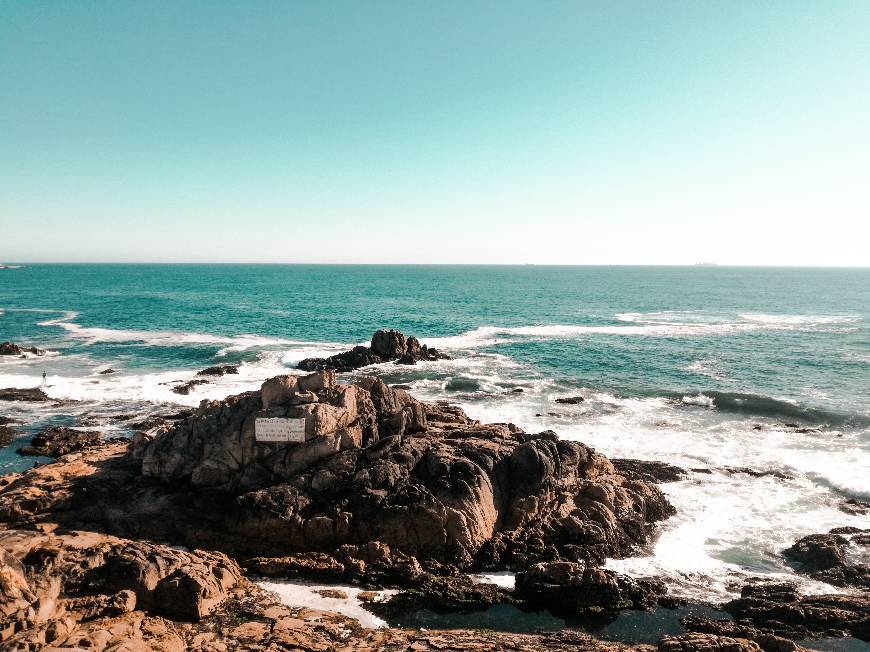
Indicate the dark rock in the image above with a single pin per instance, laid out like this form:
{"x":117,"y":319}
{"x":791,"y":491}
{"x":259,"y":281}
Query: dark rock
{"x":9,"y":348}
{"x":570,"y":400}
{"x":7,"y":434}
{"x":185,"y":388}
{"x":219,"y":370}
{"x":107,"y":371}
{"x":58,"y":440}
{"x":443,"y":594}
{"x":823,"y":557}
{"x":818,"y":552}
{"x":386,"y":346}
{"x":649,"y":470}
{"x":781,"y":609}
{"x":758,"y":474}
{"x":584,"y":589}
{"x":15,"y":394}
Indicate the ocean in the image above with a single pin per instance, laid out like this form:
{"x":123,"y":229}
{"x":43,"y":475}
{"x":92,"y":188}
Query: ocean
{"x":716,"y":369}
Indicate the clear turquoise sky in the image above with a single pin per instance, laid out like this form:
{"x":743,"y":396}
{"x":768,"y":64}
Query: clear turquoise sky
{"x":512,"y":132}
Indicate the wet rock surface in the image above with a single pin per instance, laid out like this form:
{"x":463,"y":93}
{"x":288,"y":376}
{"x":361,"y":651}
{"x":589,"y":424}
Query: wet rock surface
{"x":649,"y":470}
{"x":824,"y":557}
{"x":781,"y":609}
{"x":386,"y":346}
{"x":10,"y":348}
{"x":221,"y":370}
{"x":15,"y":394}
{"x":185,"y":388}
{"x":584,"y":589}
{"x":58,"y":440}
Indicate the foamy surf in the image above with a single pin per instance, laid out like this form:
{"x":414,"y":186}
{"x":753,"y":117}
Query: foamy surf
{"x":343,"y":599}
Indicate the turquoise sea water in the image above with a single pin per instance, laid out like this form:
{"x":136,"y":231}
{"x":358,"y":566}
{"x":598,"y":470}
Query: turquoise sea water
{"x":699,"y":366}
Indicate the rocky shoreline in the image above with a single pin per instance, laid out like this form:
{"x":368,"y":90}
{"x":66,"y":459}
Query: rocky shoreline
{"x":153,"y":541}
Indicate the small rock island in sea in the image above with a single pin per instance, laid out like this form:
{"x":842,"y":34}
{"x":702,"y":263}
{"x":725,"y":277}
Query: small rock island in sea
{"x":150,"y":543}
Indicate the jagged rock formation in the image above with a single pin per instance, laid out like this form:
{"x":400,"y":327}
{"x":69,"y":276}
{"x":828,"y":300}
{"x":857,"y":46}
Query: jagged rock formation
{"x":58,"y":440}
{"x":781,"y":609}
{"x":378,"y":465}
{"x":386,"y":346}
{"x":379,"y":489}
{"x":823,"y":557}
{"x":585,"y":589}
{"x":10,"y":348}
{"x":49,"y":583}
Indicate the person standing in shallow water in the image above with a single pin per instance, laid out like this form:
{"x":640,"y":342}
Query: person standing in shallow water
{"x":43,"y":378}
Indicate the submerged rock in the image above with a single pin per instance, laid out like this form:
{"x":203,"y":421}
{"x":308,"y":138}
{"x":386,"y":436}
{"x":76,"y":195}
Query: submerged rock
{"x":649,"y":470}
{"x":185,"y":388}
{"x":386,"y":346}
{"x":570,"y":400}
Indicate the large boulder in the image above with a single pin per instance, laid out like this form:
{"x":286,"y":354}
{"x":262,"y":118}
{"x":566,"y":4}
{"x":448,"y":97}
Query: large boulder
{"x":824,"y":557}
{"x":386,"y":346}
{"x":584,"y":589}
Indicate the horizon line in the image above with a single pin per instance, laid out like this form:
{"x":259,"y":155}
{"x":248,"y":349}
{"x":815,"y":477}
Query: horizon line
{"x":408,"y":264}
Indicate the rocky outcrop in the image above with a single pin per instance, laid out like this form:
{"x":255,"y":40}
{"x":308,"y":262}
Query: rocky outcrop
{"x":824,"y":557}
{"x":378,"y":465}
{"x":221,"y":370}
{"x":386,"y":346}
{"x":50,"y":584}
{"x":58,"y":440}
{"x":10,"y":348}
{"x":570,"y":400}
{"x":16,"y":394}
{"x":764,"y":638}
{"x":781,"y":609}
{"x":584,"y":589}
{"x":379,"y":488}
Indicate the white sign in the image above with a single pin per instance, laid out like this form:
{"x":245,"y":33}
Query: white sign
{"x":279,"y":430}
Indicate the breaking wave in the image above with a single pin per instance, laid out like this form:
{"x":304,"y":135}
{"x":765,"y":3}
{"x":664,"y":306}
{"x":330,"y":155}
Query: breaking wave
{"x":766,"y":406}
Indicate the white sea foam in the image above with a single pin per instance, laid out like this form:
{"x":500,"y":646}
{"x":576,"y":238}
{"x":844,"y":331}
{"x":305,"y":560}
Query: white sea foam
{"x":799,"y":320}
{"x":699,"y":399}
{"x":306,"y":594}
{"x":707,"y":367}
{"x":504,"y":579}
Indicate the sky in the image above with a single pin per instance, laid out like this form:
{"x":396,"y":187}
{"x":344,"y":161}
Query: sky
{"x":436,"y":132}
